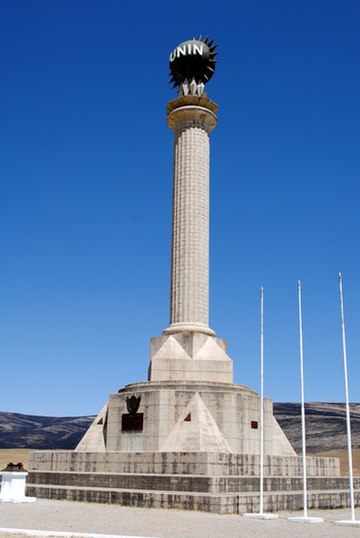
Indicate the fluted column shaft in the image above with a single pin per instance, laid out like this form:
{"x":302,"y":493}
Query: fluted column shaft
{"x":191,"y":119}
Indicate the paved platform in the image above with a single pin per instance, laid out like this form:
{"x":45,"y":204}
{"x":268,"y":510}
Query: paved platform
{"x":113,"y":520}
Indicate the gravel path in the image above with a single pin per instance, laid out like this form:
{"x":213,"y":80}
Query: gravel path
{"x":74,"y":517}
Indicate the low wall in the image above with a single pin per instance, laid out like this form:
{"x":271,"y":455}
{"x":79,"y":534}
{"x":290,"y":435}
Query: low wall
{"x":195,"y":463}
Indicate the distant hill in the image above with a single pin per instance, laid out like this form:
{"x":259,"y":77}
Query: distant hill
{"x":325,"y":428}
{"x":29,"y":431}
{"x":325,"y":425}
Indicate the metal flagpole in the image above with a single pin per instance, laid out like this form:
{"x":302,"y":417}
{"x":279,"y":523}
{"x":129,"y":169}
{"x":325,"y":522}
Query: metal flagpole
{"x":302,"y":401}
{"x":305,"y":517}
{"x":261,"y":514}
{"x":261,"y":400}
{"x":351,"y":521}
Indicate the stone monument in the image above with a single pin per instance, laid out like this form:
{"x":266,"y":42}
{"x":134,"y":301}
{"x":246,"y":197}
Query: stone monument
{"x":188,"y":437}
{"x":189,"y":402}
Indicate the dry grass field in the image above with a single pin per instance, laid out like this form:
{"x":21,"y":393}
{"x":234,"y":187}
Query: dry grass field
{"x":343,"y":456}
{"x":16,"y":455}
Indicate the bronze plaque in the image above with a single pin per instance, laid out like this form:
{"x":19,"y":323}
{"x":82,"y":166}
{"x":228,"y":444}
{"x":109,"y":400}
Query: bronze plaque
{"x":132,"y":422}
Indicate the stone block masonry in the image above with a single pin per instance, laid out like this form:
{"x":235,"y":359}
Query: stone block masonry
{"x":212,"y":482}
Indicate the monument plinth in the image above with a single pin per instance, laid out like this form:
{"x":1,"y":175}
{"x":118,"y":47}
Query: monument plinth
{"x":188,"y":437}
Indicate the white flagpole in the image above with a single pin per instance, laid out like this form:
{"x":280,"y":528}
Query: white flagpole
{"x":302,"y":401}
{"x":305,"y":517}
{"x":261,"y":400}
{"x":351,"y":521}
{"x":261,"y":514}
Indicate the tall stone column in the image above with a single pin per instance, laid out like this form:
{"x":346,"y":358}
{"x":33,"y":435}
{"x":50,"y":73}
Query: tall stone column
{"x":188,"y":349}
{"x":191,"y":118}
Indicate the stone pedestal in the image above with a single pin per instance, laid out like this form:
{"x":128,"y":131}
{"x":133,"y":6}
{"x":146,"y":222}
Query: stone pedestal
{"x":13,"y":487}
{"x":186,"y":356}
{"x":186,"y":417}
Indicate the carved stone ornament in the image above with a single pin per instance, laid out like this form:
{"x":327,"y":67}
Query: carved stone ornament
{"x":133,"y":404}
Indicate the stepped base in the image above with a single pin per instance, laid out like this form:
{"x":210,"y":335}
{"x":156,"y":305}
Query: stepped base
{"x":231,"y":503}
{"x":212,"y":482}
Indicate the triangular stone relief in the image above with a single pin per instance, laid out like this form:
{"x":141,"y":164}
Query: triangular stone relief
{"x":93,"y":440}
{"x":170,"y":349}
{"x":188,"y":345}
{"x":196,"y":431}
{"x":211,"y":351}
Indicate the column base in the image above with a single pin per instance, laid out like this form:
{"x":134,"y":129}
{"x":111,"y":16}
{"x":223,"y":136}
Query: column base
{"x":189,"y":356}
{"x":188,"y":328}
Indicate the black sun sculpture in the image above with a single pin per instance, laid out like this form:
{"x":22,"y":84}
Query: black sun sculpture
{"x":192,"y":64}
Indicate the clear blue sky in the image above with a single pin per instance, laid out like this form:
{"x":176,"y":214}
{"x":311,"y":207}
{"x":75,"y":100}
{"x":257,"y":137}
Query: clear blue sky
{"x":86,"y":179}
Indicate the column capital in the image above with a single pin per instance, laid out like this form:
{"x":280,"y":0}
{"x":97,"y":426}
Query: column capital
{"x":192,"y":107}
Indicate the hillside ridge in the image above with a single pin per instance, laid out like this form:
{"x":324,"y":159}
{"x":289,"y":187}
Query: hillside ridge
{"x":325,"y":427}
{"x":18,"y":430}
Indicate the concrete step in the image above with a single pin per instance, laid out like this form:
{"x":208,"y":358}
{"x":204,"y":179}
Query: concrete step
{"x":181,"y":463}
{"x":188,"y":483}
{"x":225,"y":503}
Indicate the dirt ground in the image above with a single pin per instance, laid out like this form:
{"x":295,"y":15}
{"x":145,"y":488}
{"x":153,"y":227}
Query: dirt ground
{"x":123,"y":521}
